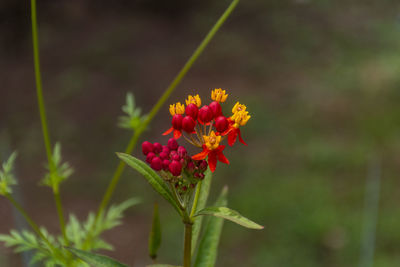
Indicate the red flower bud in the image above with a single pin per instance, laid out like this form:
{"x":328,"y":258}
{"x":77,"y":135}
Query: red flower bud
{"x":190,"y":166}
{"x":172,"y":144}
{"x":177,"y":121}
{"x":182,"y":151}
{"x":156,"y":164}
{"x":157,"y":148}
{"x":150,"y":157}
{"x":199,"y":175}
{"x":163,"y":155}
{"x":175,"y":167}
{"x":188,"y":124}
{"x":205,"y":114}
{"x":176,"y":157}
{"x":216,"y":108}
{"x":192,"y":110}
{"x":165,"y":149}
{"x":221,"y":124}
{"x":147,"y":147}
{"x":203,"y":165}
{"x":165,"y":164}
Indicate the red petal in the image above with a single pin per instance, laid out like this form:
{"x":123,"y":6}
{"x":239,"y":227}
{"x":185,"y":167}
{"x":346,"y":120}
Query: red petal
{"x":168,"y":131}
{"x":222,"y":158}
{"x":177,"y":134}
{"x":202,"y":155}
{"x":240,"y":138}
{"x":232,"y":137}
{"x":212,"y":160}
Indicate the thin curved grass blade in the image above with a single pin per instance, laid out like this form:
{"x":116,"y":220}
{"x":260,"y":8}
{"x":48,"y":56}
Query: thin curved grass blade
{"x":155,"y":234}
{"x":95,"y":260}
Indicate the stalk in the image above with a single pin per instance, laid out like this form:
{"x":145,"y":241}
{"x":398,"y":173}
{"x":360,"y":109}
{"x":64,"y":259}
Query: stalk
{"x":43,"y":117}
{"x":187,"y":251}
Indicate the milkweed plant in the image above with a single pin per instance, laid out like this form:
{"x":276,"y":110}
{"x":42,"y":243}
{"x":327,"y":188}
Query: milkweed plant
{"x":183,"y":180}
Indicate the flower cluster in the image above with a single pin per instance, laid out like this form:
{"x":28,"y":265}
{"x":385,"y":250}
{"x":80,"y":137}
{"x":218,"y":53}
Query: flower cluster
{"x":203,"y":126}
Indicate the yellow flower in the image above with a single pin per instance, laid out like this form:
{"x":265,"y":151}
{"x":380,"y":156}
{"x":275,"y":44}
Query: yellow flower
{"x":177,"y":108}
{"x":212,"y":141}
{"x":240,"y":118}
{"x":193,"y":100}
{"x":219,"y":95}
{"x":238,"y":107}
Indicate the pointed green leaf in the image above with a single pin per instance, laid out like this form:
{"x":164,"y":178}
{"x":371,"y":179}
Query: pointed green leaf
{"x":155,"y":234}
{"x":204,"y":191}
{"x":231,"y":215}
{"x":96,"y":260}
{"x":152,"y":177}
{"x":208,"y":247}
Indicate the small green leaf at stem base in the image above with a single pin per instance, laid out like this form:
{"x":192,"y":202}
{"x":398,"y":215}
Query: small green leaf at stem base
{"x":95,"y":260}
{"x":155,"y":234}
{"x":231,"y":215}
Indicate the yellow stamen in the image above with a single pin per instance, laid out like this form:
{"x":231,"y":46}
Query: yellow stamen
{"x":193,"y":100}
{"x":177,"y":108}
{"x":240,"y":118}
{"x":238,"y":107}
{"x":219,"y":95}
{"x":212,"y":141}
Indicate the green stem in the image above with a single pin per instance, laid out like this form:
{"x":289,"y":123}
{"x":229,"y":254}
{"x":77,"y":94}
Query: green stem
{"x":187,"y":251}
{"x":33,"y":225}
{"x":196,"y":199}
{"x":117,"y":174}
{"x":43,"y":117}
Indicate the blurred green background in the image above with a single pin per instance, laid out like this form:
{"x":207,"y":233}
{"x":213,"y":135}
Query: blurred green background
{"x":320,"y":79}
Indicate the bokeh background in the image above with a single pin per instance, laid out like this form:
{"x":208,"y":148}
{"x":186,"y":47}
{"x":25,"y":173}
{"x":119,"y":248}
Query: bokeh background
{"x":321,"y":81}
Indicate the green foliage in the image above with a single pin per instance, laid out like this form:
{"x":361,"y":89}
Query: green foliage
{"x":208,"y":247}
{"x":152,"y":177}
{"x":155,"y":234}
{"x":77,"y":234}
{"x":162,"y":265}
{"x":231,"y":215}
{"x":7,"y":178}
{"x":133,"y":119}
{"x":204,"y":192}
{"x":61,"y":171}
{"x":96,"y":260}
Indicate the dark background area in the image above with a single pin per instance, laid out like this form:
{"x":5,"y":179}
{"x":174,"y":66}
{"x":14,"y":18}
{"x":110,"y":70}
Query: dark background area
{"x":320,"y":79}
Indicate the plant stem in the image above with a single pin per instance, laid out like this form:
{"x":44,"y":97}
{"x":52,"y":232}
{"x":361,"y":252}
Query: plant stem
{"x":196,"y":199}
{"x":187,"y":251}
{"x":30,"y":221}
{"x":178,"y":78}
{"x":43,"y":117}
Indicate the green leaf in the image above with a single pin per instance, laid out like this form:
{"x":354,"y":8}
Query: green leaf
{"x":231,"y":215}
{"x":7,"y":178}
{"x":208,"y":247}
{"x":155,"y":234}
{"x":152,"y":177}
{"x":162,"y":265}
{"x":96,"y":260}
{"x":204,"y":192}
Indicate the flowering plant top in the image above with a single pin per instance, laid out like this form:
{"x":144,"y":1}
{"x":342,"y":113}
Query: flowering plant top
{"x":203,"y":126}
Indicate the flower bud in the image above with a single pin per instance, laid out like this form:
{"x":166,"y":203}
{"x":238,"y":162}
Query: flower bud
{"x":182,"y":151}
{"x":177,"y":121}
{"x":199,"y":175}
{"x":216,"y":108}
{"x":175,"y":168}
{"x":165,"y":149}
{"x":172,"y":144}
{"x":205,"y":114}
{"x":157,"y":148}
{"x":150,"y":157}
{"x":165,"y":164}
{"x":156,"y":164}
{"x":221,"y":124}
{"x":147,"y":147}
{"x":188,"y":124}
{"x":192,"y":110}
{"x":176,"y":157}
{"x":163,"y":155}
{"x":190,"y":166}
{"x":203,"y":165}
